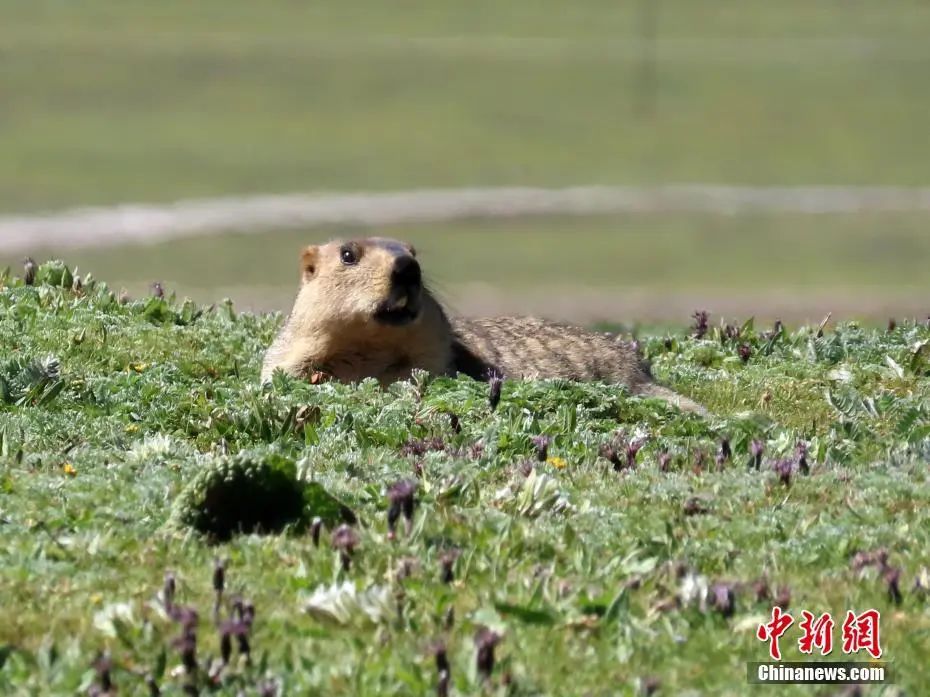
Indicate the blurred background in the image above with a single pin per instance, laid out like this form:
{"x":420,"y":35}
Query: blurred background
{"x":755,"y":105}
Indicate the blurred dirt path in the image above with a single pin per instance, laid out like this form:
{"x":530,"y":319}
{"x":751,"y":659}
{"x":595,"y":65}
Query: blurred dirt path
{"x":141,"y":223}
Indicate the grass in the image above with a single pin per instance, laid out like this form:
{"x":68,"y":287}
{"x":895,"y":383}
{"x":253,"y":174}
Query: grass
{"x":238,"y":98}
{"x":593,"y":573}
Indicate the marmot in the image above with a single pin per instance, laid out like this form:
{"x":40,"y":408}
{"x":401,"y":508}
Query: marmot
{"x":362,"y":311}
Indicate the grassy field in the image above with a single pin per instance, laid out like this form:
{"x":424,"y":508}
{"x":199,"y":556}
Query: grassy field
{"x":109,"y":101}
{"x":600,"y":578}
{"x":614,"y":268}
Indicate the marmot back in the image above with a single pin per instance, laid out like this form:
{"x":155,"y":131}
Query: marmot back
{"x":531,"y":348}
{"x":362,"y":311}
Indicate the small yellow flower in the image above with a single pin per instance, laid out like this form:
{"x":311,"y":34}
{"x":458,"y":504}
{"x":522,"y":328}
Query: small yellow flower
{"x":68,"y":469}
{"x":557,"y":462}
{"x":138,"y":367}
{"x":132,"y":428}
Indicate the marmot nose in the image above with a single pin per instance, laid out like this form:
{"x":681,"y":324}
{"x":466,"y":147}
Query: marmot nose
{"x":406,"y":272}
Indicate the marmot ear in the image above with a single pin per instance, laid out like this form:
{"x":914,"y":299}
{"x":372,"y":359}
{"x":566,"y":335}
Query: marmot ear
{"x":308,"y":262}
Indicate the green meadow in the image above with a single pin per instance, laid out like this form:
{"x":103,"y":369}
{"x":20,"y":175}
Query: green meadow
{"x":109,"y":101}
{"x":568,"y":540}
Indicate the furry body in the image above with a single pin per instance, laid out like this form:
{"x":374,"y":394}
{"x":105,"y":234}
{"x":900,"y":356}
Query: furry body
{"x":362,"y":311}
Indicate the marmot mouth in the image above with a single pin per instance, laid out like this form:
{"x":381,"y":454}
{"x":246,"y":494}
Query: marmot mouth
{"x":399,"y":311}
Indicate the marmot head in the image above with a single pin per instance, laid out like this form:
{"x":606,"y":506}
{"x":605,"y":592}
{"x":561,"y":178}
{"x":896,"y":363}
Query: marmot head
{"x":375,"y":279}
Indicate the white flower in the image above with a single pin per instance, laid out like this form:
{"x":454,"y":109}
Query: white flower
{"x":343,"y":604}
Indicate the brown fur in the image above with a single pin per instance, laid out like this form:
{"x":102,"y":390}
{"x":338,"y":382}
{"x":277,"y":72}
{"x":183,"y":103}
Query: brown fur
{"x":332,"y":328}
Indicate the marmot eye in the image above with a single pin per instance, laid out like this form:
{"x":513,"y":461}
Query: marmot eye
{"x":347,"y":256}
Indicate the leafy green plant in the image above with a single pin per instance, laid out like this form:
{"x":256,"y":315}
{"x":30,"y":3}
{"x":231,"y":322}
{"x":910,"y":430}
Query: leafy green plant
{"x":252,"y":491}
